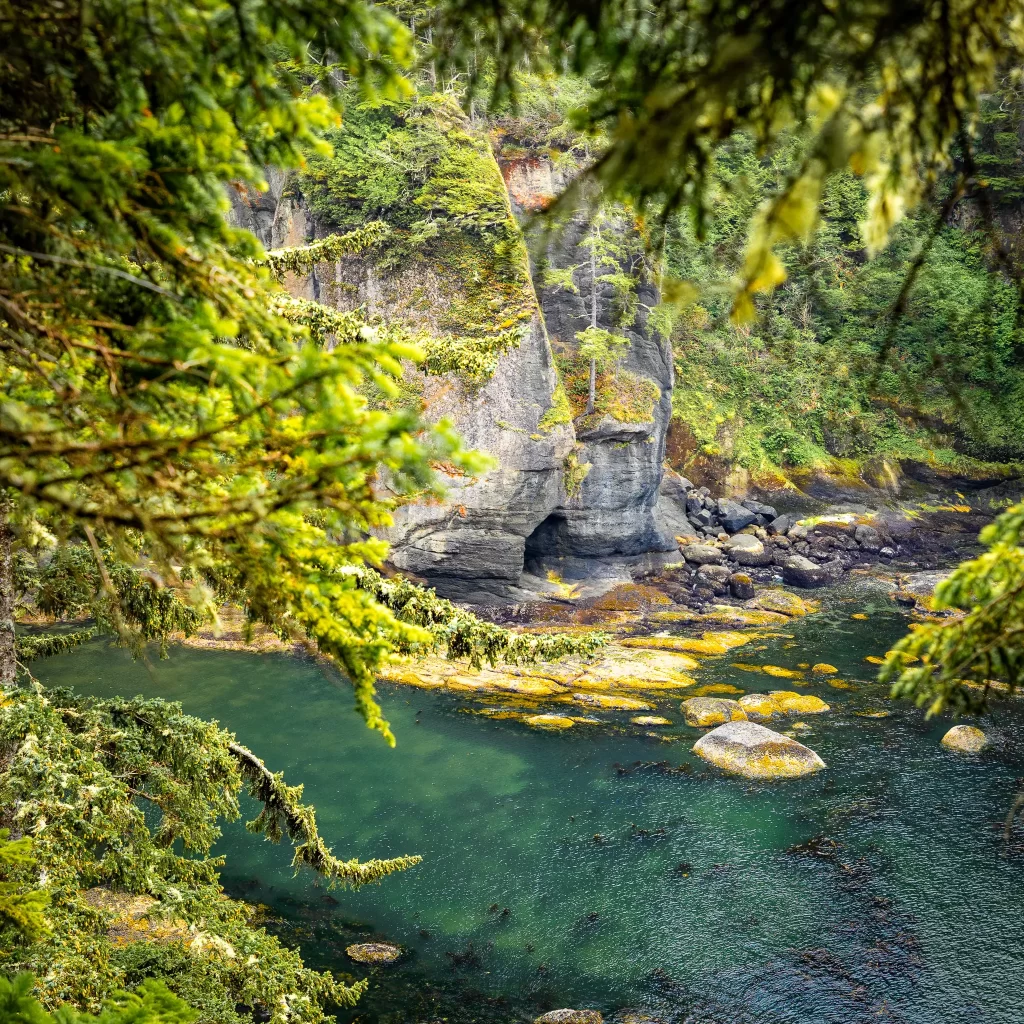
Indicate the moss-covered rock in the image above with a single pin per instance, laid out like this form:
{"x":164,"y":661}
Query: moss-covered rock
{"x":706,"y":711}
{"x":650,"y":720}
{"x":965,"y":739}
{"x":760,"y":707}
{"x":798,"y":703}
{"x":782,"y":601}
{"x":754,"y":752}
{"x":611,"y":702}
{"x":823,"y":668}
{"x":555,"y":722}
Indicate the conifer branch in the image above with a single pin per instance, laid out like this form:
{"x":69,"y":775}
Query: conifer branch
{"x":282,"y":814}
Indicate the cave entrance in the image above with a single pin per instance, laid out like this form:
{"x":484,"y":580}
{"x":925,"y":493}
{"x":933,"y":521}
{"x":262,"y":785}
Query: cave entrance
{"x":547,"y":540}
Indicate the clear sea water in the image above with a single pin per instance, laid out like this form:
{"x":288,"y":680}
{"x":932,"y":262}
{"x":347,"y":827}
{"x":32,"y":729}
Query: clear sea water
{"x":691,"y":906}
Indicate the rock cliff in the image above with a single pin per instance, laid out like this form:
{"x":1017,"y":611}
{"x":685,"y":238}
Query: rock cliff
{"x":457,"y":268}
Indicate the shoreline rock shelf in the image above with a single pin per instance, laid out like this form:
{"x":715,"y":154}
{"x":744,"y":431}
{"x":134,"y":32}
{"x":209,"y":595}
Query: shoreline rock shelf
{"x":754,"y":752}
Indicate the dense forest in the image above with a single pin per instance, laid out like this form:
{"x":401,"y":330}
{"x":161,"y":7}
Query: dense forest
{"x":521,"y":352}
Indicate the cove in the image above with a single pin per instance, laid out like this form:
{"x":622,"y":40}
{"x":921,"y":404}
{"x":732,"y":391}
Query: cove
{"x":695,"y":902}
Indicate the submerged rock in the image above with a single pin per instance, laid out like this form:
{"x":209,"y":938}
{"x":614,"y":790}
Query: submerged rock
{"x":751,"y":750}
{"x":651,"y":720}
{"x":965,"y":739}
{"x":823,"y":668}
{"x":705,"y":711}
{"x":569,"y":1017}
{"x":611,"y":702}
{"x":373,"y":952}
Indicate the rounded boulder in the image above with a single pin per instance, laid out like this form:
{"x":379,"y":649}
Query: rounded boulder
{"x":965,"y":739}
{"x":706,"y":711}
{"x":754,"y":752}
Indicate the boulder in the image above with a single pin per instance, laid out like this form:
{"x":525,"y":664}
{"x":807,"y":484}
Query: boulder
{"x":717,"y":575}
{"x":802,"y":572}
{"x":741,"y":586}
{"x":793,"y":703}
{"x":754,"y":752}
{"x":705,"y":711}
{"x":760,"y":707}
{"x":746,"y":549}
{"x":733,"y":516}
{"x":965,"y":739}
{"x":702,"y":519}
{"x":373,"y":952}
{"x":703,"y":554}
{"x":823,"y":668}
{"x":868,"y":538}
{"x":569,"y":1017}
{"x":782,"y":524}
{"x":759,"y":509}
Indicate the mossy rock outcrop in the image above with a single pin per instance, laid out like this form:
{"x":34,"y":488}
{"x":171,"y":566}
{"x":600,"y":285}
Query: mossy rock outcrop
{"x":965,"y":739}
{"x":782,"y":601}
{"x":555,"y":722}
{"x":760,"y":706}
{"x":754,"y":752}
{"x":706,"y":711}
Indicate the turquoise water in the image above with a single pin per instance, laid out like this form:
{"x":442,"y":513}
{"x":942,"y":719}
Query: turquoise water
{"x":914,"y":916}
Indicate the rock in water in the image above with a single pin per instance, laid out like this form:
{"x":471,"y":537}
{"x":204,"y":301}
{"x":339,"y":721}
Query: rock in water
{"x":705,"y":711}
{"x":965,"y":739}
{"x":751,"y":750}
{"x":802,"y":572}
{"x":373,"y":952}
{"x":569,"y":1017}
{"x":741,"y":586}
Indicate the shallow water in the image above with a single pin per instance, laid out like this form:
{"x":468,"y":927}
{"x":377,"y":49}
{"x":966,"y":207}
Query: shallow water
{"x":916,"y":918}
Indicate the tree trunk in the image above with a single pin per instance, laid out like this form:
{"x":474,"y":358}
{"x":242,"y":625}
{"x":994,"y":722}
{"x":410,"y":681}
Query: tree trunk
{"x":592,"y":394}
{"x":8,"y":655}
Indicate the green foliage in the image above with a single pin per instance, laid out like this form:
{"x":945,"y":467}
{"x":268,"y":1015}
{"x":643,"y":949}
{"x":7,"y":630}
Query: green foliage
{"x":151,"y":1003}
{"x":462,"y":635}
{"x":574,"y":473}
{"x":961,"y":663}
{"x":604,"y":348}
{"x":122,"y":799}
{"x":45,"y":645}
{"x":828,"y":372}
{"x":22,"y":903}
{"x":625,"y":396}
{"x":418,"y":166}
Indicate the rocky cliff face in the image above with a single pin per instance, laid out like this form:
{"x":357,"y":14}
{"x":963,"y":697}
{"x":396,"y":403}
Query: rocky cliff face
{"x":531,"y":503}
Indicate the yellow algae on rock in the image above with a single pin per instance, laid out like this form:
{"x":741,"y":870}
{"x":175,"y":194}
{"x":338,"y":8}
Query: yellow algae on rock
{"x":651,"y":720}
{"x":872,"y":713}
{"x":781,"y":673}
{"x":705,"y":711}
{"x":713,"y":688}
{"x":630,"y":597}
{"x":130,"y":920}
{"x":782,"y":601}
{"x":707,"y":643}
{"x":759,"y":706}
{"x":840,"y":684}
{"x":798,"y":703}
{"x":965,"y":739}
{"x":488,"y":681}
{"x":860,"y":616}
{"x":612,"y":702}
{"x":675,"y":617}
{"x":875,"y":660}
{"x":754,"y":752}
{"x":729,"y":615}
{"x":823,"y":668}
{"x":549,"y":721}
